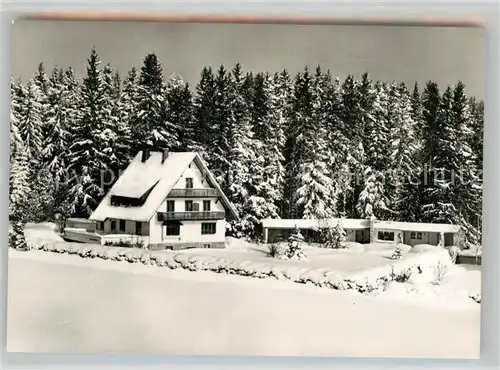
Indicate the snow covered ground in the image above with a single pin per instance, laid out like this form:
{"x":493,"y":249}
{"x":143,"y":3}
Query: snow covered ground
{"x":357,"y":257}
{"x":63,"y":303}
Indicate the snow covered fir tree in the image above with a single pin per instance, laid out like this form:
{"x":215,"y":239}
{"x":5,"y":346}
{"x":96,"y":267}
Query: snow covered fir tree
{"x":305,"y":146}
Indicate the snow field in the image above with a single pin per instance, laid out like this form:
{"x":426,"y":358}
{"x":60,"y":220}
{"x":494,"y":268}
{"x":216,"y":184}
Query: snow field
{"x":421,"y":268}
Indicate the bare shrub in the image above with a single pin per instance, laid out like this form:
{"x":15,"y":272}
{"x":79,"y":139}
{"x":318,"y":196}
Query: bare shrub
{"x":440,"y":270}
{"x":476,"y":298}
{"x":274,"y":250}
{"x":400,"y":277}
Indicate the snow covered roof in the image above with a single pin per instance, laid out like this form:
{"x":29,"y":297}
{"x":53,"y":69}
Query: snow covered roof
{"x":350,"y":223}
{"x":140,"y":177}
{"x":346,"y":223}
{"x":416,"y":226}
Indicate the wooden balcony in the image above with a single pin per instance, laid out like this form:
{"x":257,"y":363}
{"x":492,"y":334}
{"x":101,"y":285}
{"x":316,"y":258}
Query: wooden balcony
{"x":184,"y":216}
{"x":193,"y":193}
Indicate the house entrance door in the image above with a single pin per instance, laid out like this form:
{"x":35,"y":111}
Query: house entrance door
{"x":359,"y":236}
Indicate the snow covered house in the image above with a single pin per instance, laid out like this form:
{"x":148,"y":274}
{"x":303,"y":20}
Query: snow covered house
{"x":168,"y":201}
{"x":365,"y":231}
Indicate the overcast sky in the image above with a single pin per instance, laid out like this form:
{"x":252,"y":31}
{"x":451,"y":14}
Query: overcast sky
{"x":390,"y":53}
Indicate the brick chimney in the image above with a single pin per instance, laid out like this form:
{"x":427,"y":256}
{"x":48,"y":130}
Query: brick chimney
{"x":164,"y":155}
{"x":145,"y":155}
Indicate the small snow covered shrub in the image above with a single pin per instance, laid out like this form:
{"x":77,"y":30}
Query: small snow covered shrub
{"x":403,"y":276}
{"x":398,"y":253}
{"x":440,"y":270}
{"x":17,"y":238}
{"x":295,"y":249}
{"x":332,"y":237}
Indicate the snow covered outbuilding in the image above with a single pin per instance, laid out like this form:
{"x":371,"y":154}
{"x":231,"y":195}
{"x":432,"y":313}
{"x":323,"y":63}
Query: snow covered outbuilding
{"x":168,"y":200}
{"x":413,"y":233}
{"x":365,"y":231}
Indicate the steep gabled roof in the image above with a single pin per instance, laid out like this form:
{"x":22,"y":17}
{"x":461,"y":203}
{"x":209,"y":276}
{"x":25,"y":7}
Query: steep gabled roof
{"x":141,"y":177}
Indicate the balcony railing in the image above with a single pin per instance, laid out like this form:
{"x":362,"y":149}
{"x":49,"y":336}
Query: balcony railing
{"x":180,"y":216}
{"x":193,"y":193}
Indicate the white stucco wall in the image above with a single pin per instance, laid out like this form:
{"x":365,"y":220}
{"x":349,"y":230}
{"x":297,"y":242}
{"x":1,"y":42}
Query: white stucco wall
{"x":190,"y":231}
{"x":193,"y":172}
{"x":129,"y":227}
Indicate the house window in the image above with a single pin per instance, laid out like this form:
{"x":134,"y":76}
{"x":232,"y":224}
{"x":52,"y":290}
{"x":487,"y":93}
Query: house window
{"x":122,"y":225}
{"x":189,"y":205}
{"x":386,"y":235}
{"x":138,"y":228}
{"x":113,"y":225}
{"x":173,"y":228}
{"x":189,"y":183}
{"x":208,"y":228}
{"x":100,"y":225}
{"x":206,"y":206}
{"x":415,"y":235}
{"x":170,"y":206}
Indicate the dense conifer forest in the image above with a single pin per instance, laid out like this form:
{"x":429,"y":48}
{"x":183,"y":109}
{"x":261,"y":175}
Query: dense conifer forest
{"x":282,"y":146}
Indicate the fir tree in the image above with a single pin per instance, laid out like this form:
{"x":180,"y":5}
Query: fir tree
{"x":439,"y":205}
{"x":30,"y":124}
{"x":416,"y":110}
{"x":372,"y":200}
{"x":467,"y":185}
{"x":430,"y":128}
{"x":219,"y":132}
{"x":89,"y":151}
{"x":129,"y":101}
{"x":19,"y":180}
{"x":17,"y":238}
{"x":316,"y":194}
{"x":242,"y":149}
{"x":204,"y":114}
{"x":151,"y":128}
{"x":352,"y":114}
{"x":308,"y":169}
{"x":404,"y":150}
{"x":42,"y":82}
{"x":270,"y":112}
{"x":477,"y":137}
{"x":376,"y":130}
{"x":338,"y":147}
{"x":181,"y":111}
{"x":16,"y":111}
